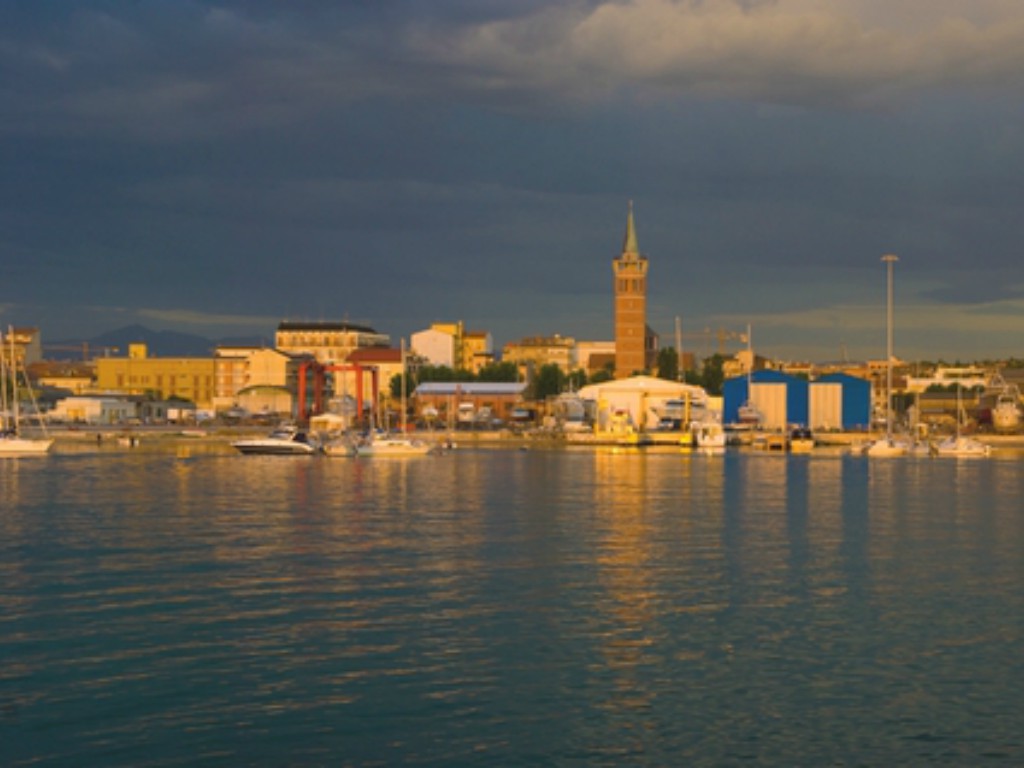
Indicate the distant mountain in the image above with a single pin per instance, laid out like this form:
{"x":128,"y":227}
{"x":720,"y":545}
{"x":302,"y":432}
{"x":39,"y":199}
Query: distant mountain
{"x":159,"y":343}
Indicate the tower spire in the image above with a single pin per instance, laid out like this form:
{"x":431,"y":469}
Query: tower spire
{"x":629,"y":244}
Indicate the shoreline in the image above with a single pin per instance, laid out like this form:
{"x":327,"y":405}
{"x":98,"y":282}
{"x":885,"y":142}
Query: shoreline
{"x":153,"y":437}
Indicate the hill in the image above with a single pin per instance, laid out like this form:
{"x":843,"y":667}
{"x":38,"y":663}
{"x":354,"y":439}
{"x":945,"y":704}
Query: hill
{"x":159,"y":343}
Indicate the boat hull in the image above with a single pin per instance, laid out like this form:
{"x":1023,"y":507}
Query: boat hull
{"x":17,"y":446}
{"x":397,"y":448}
{"x":1005,"y":418}
{"x":273,"y":448}
{"x":961,"y":447}
{"x":887,"y":447}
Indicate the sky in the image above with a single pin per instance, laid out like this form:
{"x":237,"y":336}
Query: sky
{"x":218,"y":167}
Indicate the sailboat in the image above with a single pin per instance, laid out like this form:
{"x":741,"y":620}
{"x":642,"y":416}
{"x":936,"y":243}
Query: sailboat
{"x":12,"y":442}
{"x":395,"y":445}
{"x":888,"y":445}
{"x":958,"y":445}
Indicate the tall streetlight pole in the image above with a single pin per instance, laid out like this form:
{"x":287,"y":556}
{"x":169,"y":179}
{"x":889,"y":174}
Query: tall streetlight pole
{"x":889,"y":260}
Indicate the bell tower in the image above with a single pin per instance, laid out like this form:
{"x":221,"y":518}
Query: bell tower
{"x":630,"y":270}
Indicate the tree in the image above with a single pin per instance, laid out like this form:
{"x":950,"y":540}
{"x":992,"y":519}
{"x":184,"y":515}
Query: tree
{"x":601,"y":376}
{"x":577,"y":380}
{"x":549,"y":381}
{"x":712,"y":377}
{"x":396,"y":386}
{"x":668,"y":364}
{"x":435,"y":373}
{"x":498,"y":372}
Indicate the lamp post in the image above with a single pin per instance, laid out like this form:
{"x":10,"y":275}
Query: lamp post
{"x":889,"y":260}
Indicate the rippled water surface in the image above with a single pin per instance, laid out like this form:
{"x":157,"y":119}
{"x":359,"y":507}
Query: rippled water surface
{"x":510,"y":608}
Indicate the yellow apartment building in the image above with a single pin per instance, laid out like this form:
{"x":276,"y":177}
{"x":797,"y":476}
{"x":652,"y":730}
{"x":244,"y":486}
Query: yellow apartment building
{"x":477,"y":350}
{"x":186,"y":378}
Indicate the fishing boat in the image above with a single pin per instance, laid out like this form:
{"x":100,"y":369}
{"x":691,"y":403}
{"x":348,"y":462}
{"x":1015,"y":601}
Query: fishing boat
{"x":12,"y":440}
{"x":287,"y":440}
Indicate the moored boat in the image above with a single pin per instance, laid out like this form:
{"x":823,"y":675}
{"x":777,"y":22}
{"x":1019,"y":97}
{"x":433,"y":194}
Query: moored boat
{"x":1006,"y":411}
{"x":283,"y":441}
{"x":394,"y":445}
{"x":888,"y":446}
{"x":961,"y":446}
{"x":957,"y":444}
{"x":708,"y":435}
{"x":12,"y":441}
{"x":340,"y":445}
{"x":801,"y":440}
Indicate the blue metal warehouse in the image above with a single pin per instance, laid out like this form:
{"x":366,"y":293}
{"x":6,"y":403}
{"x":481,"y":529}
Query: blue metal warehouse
{"x":835,"y":401}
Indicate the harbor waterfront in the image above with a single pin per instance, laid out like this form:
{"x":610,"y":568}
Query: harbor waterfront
{"x":173,"y":602}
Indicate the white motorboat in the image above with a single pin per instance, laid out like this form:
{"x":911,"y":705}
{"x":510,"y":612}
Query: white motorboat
{"x":1006,"y":411}
{"x":283,"y":441}
{"x":12,"y":441}
{"x":708,"y":435}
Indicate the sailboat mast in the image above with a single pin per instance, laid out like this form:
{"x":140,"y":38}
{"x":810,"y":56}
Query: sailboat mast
{"x":14,"y":382}
{"x":404,"y":430}
{"x":3,"y":386}
{"x":750,"y":362}
{"x":680,"y":376}
{"x":889,"y":260}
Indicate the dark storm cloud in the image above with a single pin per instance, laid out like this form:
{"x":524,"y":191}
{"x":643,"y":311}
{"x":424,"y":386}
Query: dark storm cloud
{"x":404,"y":162}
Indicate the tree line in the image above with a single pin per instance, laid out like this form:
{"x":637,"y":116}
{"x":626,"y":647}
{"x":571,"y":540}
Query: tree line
{"x":549,"y":380}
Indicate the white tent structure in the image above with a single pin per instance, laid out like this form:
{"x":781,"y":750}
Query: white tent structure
{"x":646,"y":399}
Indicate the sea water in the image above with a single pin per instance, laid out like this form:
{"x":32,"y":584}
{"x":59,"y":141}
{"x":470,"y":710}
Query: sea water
{"x":502,"y":607}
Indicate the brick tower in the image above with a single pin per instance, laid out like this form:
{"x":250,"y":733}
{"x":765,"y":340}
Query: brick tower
{"x":630,"y":305}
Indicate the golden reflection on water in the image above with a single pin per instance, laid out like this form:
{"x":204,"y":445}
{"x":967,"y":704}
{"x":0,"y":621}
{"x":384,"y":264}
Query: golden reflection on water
{"x":622,"y":555}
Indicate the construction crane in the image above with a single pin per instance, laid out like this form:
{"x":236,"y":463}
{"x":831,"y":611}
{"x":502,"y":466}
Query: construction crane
{"x":84,"y":347}
{"x":721,"y":335}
